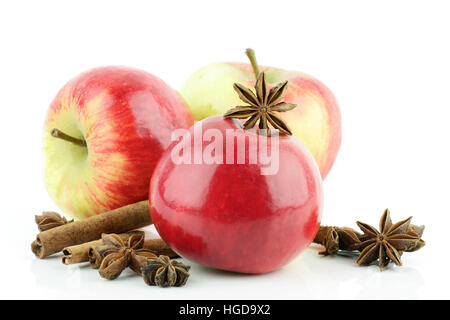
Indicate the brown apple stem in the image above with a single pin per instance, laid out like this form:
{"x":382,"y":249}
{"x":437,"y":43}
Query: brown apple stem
{"x":61,"y":135}
{"x":252,"y":57}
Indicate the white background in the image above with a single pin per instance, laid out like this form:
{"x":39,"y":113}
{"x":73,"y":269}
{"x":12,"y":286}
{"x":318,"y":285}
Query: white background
{"x":387,"y":62}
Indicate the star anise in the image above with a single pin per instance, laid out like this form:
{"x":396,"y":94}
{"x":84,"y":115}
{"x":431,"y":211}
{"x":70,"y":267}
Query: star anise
{"x":417,"y":231}
{"x":262,"y":106}
{"x":336,"y":238}
{"x":389,"y":243}
{"x":97,"y":254}
{"x":118,"y":255}
{"x":49,"y":220}
{"x":163,"y":272}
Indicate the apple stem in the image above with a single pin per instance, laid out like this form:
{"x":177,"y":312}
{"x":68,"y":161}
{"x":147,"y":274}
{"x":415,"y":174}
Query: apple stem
{"x":61,"y":135}
{"x":252,"y":57}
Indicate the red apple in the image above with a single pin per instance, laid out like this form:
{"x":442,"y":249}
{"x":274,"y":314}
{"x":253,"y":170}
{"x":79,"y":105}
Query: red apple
{"x":230,"y":216}
{"x":114,"y":124}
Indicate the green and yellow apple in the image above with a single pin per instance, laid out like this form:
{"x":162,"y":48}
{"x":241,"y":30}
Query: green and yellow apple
{"x":316,"y":121}
{"x":103,"y":135}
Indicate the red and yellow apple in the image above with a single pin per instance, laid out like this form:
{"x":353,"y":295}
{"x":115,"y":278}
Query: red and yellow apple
{"x":103,"y":135}
{"x":316,"y":121}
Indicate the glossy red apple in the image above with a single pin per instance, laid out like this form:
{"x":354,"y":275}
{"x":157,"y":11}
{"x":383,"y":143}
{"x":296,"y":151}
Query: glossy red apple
{"x":114,"y":124}
{"x":231,"y":216}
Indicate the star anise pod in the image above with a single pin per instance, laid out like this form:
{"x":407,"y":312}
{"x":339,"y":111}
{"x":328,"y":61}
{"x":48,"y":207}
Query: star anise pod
{"x":49,"y":220}
{"x":336,"y":238}
{"x":163,"y":272}
{"x":417,"y":231}
{"x":96,"y":255}
{"x":118,"y":255}
{"x":262,"y":106}
{"x":389,"y":243}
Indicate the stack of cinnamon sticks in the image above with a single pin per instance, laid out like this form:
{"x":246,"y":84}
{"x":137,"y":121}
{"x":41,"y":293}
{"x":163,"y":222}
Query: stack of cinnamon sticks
{"x":78,"y":240}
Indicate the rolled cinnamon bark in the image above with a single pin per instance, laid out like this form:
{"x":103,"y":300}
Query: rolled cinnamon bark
{"x":96,"y":255}
{"x":80,"y":252}
{"x":159,"y":247}
{"x":119,"y":220}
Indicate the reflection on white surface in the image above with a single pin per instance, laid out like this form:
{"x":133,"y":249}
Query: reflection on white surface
{"x":342,"y":278}
{"x":310,"y":276}
{"x":73,"y":280}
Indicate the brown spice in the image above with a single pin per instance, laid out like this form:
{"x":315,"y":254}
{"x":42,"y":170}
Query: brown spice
{"x":120,"y":255}
{"x":80,"y":253}
{"x":375,"y":246}
{"x":163,"y":272}
{"x":49,"y":220}
{"x":96,"y":254}
{"x":388,"y":243}
{"x":262,"y":106}
{"x":336,"y":238}
{"x":159,"y":247}
{"x":119,"y":220}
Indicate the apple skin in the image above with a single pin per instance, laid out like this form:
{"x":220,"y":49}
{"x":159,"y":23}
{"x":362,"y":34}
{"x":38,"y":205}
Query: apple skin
{"x":316,"y":121}
{"x":229,"y":216}
{"x":126,"y":117}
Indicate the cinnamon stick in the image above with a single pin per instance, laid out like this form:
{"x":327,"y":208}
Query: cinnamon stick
{"x":119,"y":220}
{"x":96,"y":255}
{"x":159,"y":247}
{"x":80,"y":253}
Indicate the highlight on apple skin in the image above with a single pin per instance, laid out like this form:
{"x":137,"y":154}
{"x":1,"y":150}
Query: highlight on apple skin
{"x":316,"y":121}
{"x":103,"y":135}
